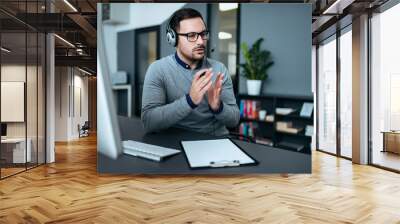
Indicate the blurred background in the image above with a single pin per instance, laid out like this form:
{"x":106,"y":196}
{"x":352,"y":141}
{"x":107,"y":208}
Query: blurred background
{"x":136,"y":37}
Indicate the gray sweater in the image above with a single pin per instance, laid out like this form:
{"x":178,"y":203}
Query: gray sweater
{"x":164,"y":101}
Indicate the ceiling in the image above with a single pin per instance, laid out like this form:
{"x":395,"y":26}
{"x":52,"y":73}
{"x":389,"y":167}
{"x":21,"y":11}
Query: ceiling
{"x":330,"y":15}
{"x":72,"y":20}
{"x":75,"y":21}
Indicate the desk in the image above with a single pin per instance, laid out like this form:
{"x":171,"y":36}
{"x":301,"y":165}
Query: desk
{"x":271,"y":160}
{"x":18,"y":151}
{"x":391,"y":141}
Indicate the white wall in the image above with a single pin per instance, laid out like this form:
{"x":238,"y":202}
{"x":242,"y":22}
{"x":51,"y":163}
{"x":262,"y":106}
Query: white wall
{"x":79,"y":118}
{"x":61,"y":103}
{"x":141,"y":15}
{"x":33,"y":126}
{"x":68,"y":83}
{"x":15,"y":72}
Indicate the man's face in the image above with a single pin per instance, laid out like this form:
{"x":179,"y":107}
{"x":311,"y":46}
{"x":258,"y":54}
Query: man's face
{"x":192,"y":50}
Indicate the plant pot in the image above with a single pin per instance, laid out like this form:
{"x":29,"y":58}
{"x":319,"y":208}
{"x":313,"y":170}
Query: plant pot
{"x":254,"y":87}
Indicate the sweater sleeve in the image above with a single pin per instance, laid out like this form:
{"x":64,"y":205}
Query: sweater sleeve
{"x":156,"y":114}
{"x":229,"y":115}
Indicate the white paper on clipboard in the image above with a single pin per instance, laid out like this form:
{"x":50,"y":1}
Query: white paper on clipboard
{"x":214,"y":153}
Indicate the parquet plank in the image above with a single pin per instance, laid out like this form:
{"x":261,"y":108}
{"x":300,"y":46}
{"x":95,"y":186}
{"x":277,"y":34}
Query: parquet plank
{"x":71,"y":191}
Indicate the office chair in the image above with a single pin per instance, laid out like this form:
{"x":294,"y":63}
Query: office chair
{"x":84,"y":130}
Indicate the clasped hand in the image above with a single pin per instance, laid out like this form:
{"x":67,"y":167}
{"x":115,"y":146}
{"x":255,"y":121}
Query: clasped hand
{"x":203,"y":84}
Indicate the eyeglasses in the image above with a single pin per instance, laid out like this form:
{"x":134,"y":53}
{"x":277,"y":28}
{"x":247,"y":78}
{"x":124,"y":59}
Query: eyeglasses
{"x":193,"y":36}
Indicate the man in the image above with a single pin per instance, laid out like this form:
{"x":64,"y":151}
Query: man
{"x":186,"y":89}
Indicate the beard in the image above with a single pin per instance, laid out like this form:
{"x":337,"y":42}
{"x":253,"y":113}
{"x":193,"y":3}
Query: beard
{"x":195,"y":54}
{"x":198,"y":52}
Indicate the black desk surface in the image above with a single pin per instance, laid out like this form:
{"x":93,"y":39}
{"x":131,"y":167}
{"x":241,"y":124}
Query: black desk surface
{"x":271,"y":160}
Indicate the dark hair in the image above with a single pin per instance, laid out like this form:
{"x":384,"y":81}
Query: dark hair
{"x":182,"y":14}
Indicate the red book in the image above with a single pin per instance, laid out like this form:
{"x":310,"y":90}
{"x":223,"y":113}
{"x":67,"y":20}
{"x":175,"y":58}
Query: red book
{"x":250,"y":109}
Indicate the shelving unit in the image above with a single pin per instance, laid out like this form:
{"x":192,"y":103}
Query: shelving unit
{"x":268,"y":129}
{"x":294,"y":116}
{"x":254,"y":120}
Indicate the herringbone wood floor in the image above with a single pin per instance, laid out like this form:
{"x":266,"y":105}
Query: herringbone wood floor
{"x":71,"y":191}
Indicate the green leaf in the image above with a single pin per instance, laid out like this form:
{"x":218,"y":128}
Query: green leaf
{"x":257,"y":61}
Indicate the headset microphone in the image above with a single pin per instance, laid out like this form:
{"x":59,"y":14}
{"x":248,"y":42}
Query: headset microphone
{"x":212,"y":49}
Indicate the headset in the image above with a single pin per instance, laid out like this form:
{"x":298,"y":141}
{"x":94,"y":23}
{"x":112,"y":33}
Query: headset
{"x":172,"y":37}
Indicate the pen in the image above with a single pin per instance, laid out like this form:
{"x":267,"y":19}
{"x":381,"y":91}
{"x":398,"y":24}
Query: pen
{"x":202,"y":74}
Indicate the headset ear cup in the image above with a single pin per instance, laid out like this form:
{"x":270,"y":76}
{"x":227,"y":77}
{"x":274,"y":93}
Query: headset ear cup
{"x":171,"y":38}
{"x":174,"y":38}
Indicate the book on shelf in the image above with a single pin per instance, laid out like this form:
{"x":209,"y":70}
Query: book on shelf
{"x":249,"y":109}
{"x":284,"y":111}
{"x":284,"y":124}
{"x":288,"y":127}
{"x":306,"y":110}
{"x":248,"y":128}
{"x":270,"y":118}
{"x":290,"y":130}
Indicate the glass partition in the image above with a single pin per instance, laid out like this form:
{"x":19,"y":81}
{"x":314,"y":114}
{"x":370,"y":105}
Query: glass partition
{"x":223,"y":44}
{"x":31,"y":98}
{"x":327,"y":95}
{"x":385,"y":89}
{"x":22,"y":77}
{"x":14,"y":144}
{"x":346,"y":92}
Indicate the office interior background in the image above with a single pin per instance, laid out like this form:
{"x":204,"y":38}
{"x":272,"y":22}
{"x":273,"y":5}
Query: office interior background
{"x":48,"y":78}
{"x":48,"y":82}
{"x":135,"y":44}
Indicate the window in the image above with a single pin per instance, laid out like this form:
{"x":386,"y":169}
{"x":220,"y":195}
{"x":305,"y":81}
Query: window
{"x":334,"y":93}
{"x":22,"y":87}
{"x":385,"y":88}
{"x":327,"y":95}
{"x":223,"y":40}
{"x":346,"y":92}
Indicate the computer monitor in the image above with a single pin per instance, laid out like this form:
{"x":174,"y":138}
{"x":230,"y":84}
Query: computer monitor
{"x":3,"y":129}
{"x":108,"y":132}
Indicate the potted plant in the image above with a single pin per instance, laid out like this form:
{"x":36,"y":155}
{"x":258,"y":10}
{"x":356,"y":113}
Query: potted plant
{"x":257,"y":62}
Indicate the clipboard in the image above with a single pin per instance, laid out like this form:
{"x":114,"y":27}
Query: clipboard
{"x":216,"y":153}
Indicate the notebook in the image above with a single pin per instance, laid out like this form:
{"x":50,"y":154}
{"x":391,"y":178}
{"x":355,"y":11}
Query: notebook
{"x":215,"y":153}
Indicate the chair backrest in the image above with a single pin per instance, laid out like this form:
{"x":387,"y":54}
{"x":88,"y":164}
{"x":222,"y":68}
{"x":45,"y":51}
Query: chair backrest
{"x":86,"y":125}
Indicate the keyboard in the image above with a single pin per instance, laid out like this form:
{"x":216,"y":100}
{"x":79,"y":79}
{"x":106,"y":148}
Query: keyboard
{"x":147,"y":151}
